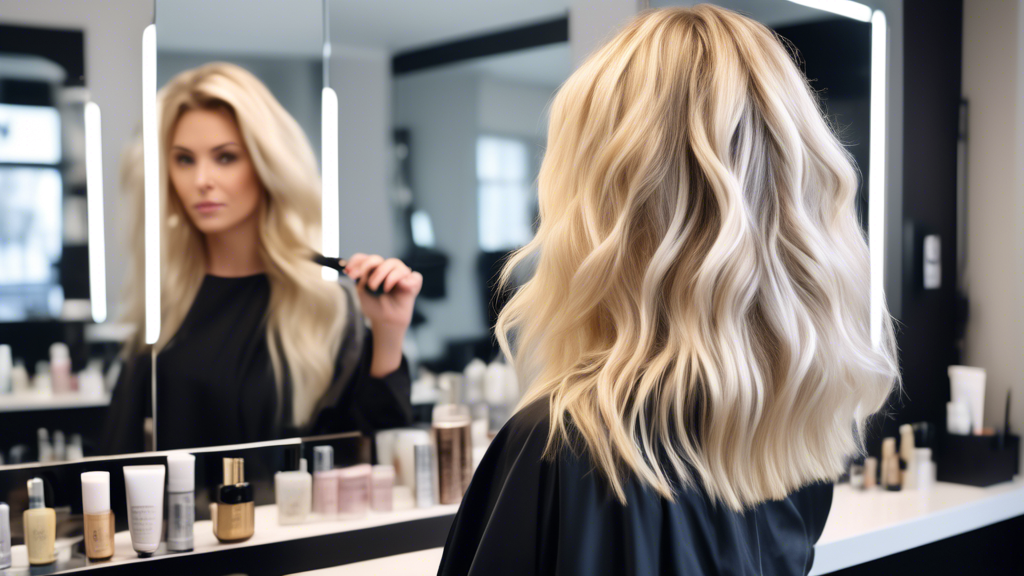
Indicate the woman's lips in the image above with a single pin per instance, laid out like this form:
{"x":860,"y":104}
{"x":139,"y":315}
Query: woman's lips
{"x":208,"y":207}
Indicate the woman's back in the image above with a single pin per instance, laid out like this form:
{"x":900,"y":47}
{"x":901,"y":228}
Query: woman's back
{"x":524,"y":514}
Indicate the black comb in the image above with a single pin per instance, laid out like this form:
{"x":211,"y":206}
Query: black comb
{"x":339,"y":265}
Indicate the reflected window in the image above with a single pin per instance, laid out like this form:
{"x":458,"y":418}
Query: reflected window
{"x":30,"y":242}
{"x":505,"y":196}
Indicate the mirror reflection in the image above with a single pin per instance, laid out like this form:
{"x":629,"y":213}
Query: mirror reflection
{"x":52,"y":249}
{"x":441,"y":130}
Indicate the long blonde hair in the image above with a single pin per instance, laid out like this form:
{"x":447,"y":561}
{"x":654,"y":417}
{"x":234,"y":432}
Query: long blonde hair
{"x":306,"y":314}
{"x":700,"y":309}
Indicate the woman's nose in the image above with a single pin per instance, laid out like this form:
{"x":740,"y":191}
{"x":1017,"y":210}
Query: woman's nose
{"x":203,"y":180}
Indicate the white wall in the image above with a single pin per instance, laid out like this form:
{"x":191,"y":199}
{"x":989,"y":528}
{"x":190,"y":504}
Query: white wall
{"x":440,"y":109}
{"x":362,"y":79}
{"x":514,"y":109}
{"x":993,"y":83}
{"x":113,"y":76}
{"x":295,"y":82}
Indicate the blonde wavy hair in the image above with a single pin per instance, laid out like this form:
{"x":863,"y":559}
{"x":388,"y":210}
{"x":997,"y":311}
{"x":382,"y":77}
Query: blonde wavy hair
{"x":700,"y":309}
{"x":306,"y":315}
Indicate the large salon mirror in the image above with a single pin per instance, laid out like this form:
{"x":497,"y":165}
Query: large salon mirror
{"x":58,"y":251}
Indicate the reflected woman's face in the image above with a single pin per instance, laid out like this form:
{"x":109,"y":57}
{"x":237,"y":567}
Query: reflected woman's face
{"x":211,"y":171}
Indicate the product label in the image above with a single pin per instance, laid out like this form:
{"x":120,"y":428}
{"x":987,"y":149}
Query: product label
{"x":99,"y":535}
{"x":181,"y":517}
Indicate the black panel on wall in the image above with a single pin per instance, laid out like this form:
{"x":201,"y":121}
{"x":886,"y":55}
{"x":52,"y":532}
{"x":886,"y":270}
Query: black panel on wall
{"x":932,"y":39}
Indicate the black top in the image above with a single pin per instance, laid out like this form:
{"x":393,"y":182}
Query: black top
{"x":524,"y":515}
{"x":215,"y":382}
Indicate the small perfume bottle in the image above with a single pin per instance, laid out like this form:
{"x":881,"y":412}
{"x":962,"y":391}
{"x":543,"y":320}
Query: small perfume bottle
{"x":234,"y":513}
{"x":40,"y":526}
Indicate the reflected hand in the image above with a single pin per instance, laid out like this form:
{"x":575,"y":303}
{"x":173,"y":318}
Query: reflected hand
{"x":392,"y":310}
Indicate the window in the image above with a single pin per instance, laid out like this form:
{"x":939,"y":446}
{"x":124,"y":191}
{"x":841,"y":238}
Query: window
{"x":505,"y":194}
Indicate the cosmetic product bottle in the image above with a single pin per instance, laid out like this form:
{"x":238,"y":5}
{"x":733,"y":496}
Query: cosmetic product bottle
{"x":325,"y":482}
{"x":924,"y":468}
{"x":181,"y":501}
{"x":60,"y":368}
{"x":233,"y":514}
{"x":404,"y":456}
{"x":293,"y":489}
{"x":19,"y":378}
{"x":382,"y":485}
{"x":908,"y":477}
{"x":45,"y":449}
{"x":60,"y":446}
{"x":353,"y":491}
{"x":402,"y":498}
{"x":890,"y":465}
{"x":42,"y":383}
{"x":40,"y":524}
{"x":6,"y":366}
{"x":451,"y":432}
{"x":870,"y":473}
{"x":424,"y":475}
{"x":967,"y":386}
{"x":75,"y":451}
{"x":144,"y":489}
{"x":5,"y":536}
{"x":99,"y":519}
{"x":856,"y":476}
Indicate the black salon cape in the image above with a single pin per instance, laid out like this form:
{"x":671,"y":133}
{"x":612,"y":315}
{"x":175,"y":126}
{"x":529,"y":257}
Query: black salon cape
{"x":523,"y":515}
{"x":216,"y":386}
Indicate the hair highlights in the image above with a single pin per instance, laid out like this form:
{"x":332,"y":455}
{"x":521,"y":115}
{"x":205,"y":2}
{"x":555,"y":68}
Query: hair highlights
{"x":700,"y":306}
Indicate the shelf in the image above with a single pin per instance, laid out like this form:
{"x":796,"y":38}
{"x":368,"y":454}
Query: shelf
{"x":35,"y":402}
{"x":866,"y":526}
{"x":273,"y":549}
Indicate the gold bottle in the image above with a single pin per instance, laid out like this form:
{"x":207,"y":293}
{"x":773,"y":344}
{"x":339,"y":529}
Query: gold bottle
{"x":40,"y":526}
{"x":233,"y":514}
{"x":99,"y":520}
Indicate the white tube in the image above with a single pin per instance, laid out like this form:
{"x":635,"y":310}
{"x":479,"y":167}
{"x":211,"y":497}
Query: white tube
{"x":968,"y":387}
{"x":144,"y":487}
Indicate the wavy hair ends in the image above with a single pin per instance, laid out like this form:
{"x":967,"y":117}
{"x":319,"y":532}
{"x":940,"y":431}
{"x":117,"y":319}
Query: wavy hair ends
{"x":699,"y":312}
{"x":306,"y":315}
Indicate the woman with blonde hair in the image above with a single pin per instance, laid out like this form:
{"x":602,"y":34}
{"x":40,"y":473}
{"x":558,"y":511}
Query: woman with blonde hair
{"x":696,"y":336}
{"x":255,"y":344}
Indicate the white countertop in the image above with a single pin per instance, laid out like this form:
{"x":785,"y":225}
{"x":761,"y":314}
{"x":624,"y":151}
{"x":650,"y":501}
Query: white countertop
{"x":865,"y":526}
{"x":861,"y":527}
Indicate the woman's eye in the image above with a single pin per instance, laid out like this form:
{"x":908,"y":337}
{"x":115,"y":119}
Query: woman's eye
{"x":226,"y":158}
{"x":183,"y":160}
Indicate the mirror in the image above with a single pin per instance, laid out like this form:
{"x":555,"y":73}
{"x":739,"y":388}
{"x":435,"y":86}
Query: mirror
{"x":53,"y":248}
{"x":440,"y":129}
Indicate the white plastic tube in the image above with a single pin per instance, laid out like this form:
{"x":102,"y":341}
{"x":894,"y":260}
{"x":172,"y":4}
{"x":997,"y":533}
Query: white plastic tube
{"x":144,"y":488}
{"x":967,"y":385}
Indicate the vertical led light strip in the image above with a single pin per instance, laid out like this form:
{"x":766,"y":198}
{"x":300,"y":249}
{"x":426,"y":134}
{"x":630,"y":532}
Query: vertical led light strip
{"x":330,"y":225}
{"x":330,"y":205}
{"x":877,"y":172}
{"x":151,"y":151}
{"x":94,"y":203}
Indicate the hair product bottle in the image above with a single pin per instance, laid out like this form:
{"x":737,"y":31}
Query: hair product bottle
{"x":354,"y":491}
{"x":40,"y":526}
{"x":5,"y":536}
{"x":181,"y":502}
{"x":325,"y":482}
{"x":451,"y":431}
{"x":424,"y":475}
{"x":99,"y":518}
{"x":233,"y":514}
{"x":293,"y":489}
